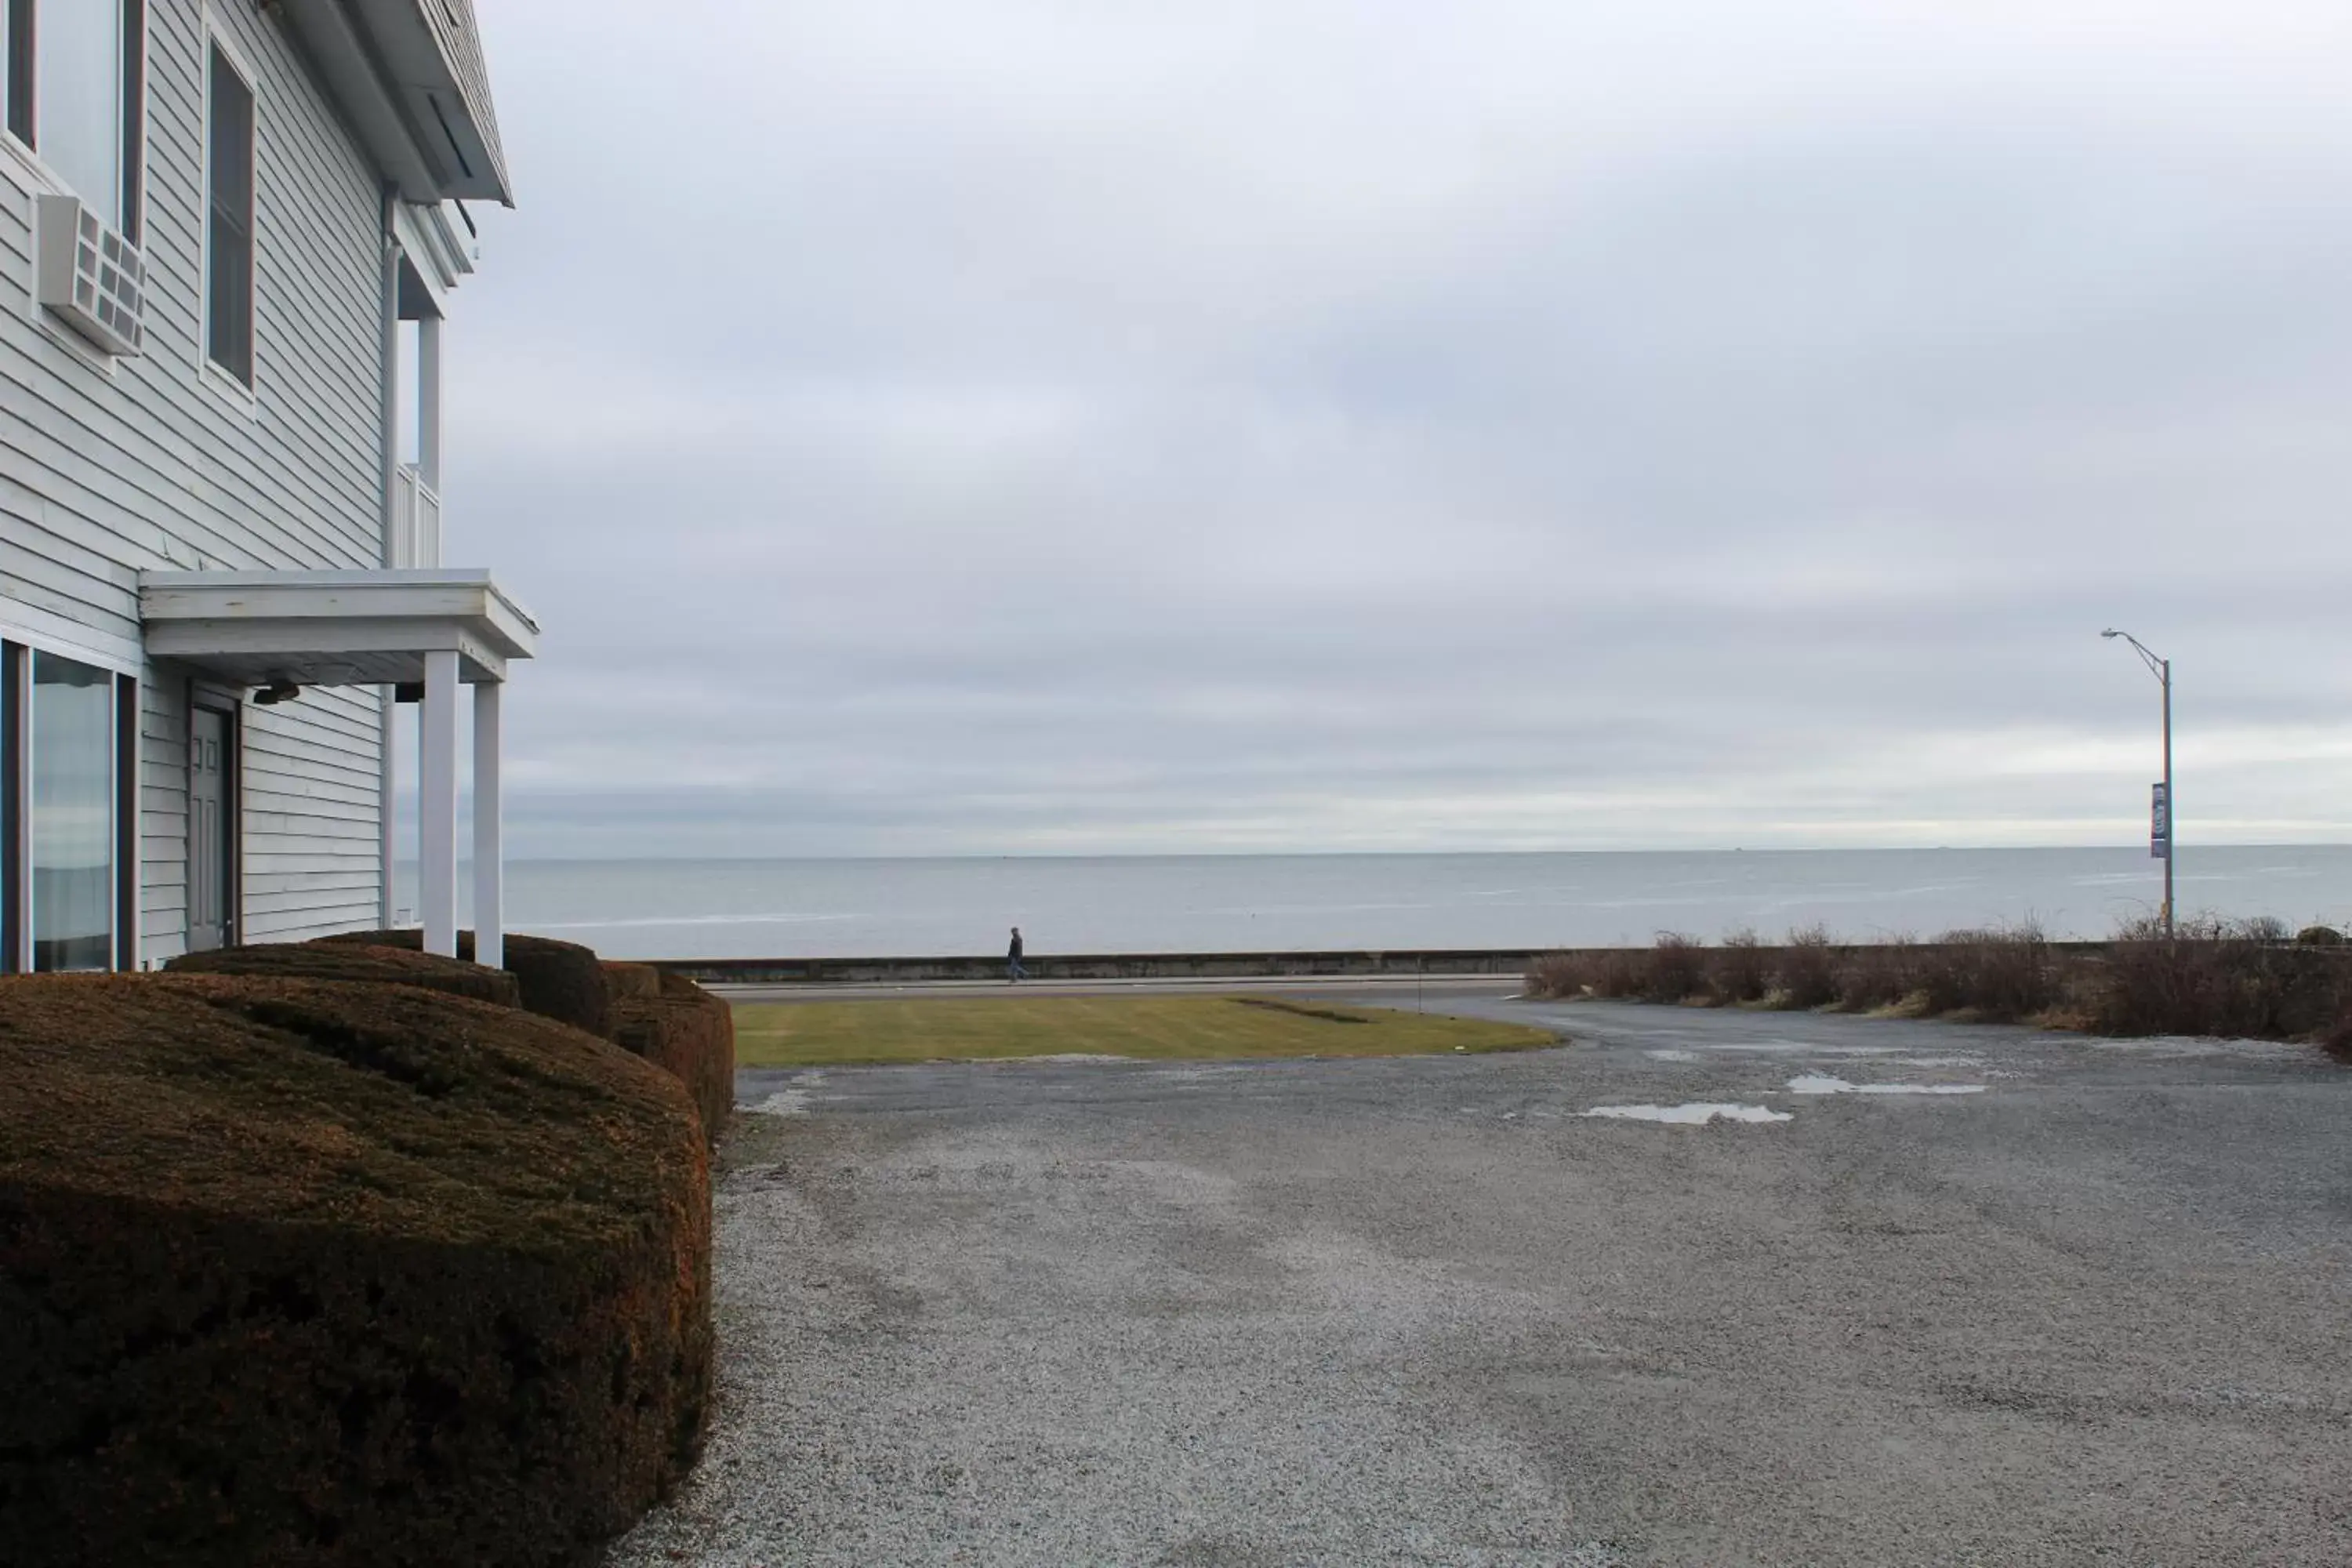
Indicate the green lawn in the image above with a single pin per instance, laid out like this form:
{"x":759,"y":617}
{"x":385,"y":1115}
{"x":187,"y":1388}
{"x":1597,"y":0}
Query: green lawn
{"x":818,"y":1033}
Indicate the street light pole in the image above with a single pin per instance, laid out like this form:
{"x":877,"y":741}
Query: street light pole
{"x":2162,"y":670}
{"x":2172,"y":811}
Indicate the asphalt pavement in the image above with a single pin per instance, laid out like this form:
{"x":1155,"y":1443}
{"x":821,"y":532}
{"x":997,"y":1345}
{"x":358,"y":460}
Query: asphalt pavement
{"x":1910,"y":1293}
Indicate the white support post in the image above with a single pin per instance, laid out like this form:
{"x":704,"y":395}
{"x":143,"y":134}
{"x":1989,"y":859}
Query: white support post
{"x":428,"y":401}
{"x":437,"y":809}
{"x":387,"y":824}
{"x":388,"y":373}
{"x":489,"y":875}
{"x":16,"y":854}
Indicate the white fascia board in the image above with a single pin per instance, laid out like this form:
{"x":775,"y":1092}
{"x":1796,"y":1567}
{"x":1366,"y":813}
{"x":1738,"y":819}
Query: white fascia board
{"x":462,"y":250}
{"x":392,"y":601}
{"x":424,"y":264}
{"x":327,"y":652}
{"x":437,"y":263}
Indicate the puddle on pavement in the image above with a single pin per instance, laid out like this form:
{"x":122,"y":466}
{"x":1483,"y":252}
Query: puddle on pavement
{"x":2186,"y":1045}
{"x":1057,"y":1059}
{"x":1793,"y":1048}
{"x":1886,"y":1056}
{"x":783,"y":1102}
{"x":1696,"y":1114}
{"x":1820,"y":1083}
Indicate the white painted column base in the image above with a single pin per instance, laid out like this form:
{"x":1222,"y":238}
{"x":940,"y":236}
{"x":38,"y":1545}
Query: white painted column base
{"x":489,"y":871}
{"x":437,"y":809}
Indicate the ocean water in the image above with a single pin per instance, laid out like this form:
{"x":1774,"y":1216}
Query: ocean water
{"x":812,"y":909}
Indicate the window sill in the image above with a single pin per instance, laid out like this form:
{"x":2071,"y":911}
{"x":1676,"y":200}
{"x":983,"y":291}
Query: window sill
{"x":30,"y":163}
{"x":46,"y":180}
{"x":235,"y":394}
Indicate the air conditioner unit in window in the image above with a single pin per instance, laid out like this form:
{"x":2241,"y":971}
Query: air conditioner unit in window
{"x":91,"y":275}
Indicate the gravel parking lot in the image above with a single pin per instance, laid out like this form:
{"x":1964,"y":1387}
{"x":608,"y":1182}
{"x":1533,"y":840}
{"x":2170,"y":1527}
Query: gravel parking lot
{"x":2085,"y":1302}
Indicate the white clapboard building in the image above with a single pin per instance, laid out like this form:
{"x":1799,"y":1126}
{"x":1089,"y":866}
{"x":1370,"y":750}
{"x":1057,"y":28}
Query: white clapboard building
{"x":226,"y":227}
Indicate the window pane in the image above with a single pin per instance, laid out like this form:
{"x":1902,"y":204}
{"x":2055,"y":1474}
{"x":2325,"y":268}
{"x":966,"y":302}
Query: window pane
{"x":228,"y":233}
{"x":134,"y":115}
{"x":77,"y":100}
{"x":72,"y":818}
{"x":19,"y":83}
{"x":230,"y":332}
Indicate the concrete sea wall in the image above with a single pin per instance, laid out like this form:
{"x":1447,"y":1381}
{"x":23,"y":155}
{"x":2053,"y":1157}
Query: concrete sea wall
{"x":1498,"y":961}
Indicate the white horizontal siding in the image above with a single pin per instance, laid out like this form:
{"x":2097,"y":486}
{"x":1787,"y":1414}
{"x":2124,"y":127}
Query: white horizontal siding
{"x":155,"y":465}
{"x":163,"y":813}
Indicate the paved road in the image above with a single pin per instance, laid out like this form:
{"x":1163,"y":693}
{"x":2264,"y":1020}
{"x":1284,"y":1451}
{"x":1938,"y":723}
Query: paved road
{"x":1387,"y":990}
{"x":2098,"y":1310}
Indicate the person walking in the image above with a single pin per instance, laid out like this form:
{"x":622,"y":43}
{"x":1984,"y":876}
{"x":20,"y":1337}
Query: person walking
{"x":1013,"y":970}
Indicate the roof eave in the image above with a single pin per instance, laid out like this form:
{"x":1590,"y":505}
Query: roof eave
{"x":431,"y":129}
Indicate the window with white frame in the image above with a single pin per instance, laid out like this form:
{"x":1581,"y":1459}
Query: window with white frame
{"x":228,"y":224}
{"x":67,"y":854}
{"x":72,"y":802}
{"x":75,"y":86}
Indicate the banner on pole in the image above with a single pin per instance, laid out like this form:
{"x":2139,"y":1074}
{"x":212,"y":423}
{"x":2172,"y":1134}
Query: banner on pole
{"x":2159,"y":825}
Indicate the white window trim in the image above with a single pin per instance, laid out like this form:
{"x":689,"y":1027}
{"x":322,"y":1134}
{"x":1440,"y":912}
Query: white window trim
{"x":240,"y":395}
{"x":124,"y":837}
{"x":123,"y":655}
{"x":37,"y":167}
{"x":235,"y":396}
{"x":44,"y":179}
{"x":38,"y":171}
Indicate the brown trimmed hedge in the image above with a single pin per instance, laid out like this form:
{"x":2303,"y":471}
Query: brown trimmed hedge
{"x":683,"y":1029}
{"x":354,"y":961}
{"x":560,"y":979}
{"x":336,"y":1274}
{"x":632,"y":979}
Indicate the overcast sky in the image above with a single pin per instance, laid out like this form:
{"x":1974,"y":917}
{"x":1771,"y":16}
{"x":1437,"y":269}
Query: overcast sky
{"x":930,"y":426}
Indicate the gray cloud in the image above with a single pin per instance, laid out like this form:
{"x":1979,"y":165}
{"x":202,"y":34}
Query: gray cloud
{"x":1312,"y":425}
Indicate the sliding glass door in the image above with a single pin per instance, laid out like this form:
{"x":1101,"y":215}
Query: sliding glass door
{"x":70,"y":801}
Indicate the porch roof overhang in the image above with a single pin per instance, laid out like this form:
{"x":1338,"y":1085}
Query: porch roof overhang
{"x":333,"y":628}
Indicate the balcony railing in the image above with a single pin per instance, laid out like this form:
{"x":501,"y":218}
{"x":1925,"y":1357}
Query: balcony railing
{"x":416,"y":520}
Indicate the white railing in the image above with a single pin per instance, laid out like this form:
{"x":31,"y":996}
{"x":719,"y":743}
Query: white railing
{"x":416,"y":520}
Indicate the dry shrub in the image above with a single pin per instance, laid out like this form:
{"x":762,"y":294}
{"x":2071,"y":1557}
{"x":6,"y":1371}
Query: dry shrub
{"x":2001,"y":974}
{"x":1677,"y":969}
{"x":1883,"y":975}
{"x":2155,"y":984}
{"x":1557,"y":974}
{"x":1622,"y":973}
{"x":1807,"y":974}
{"x":2240,"y":979}
{"x":1740,"y":973}
{"x":337,"y":1274}
{"x":354,"y":961}
{"x":560,"y":979}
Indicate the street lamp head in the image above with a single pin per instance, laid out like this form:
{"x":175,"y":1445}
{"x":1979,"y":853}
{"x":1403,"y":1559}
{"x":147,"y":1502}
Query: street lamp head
{"x":2111,"y":632}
